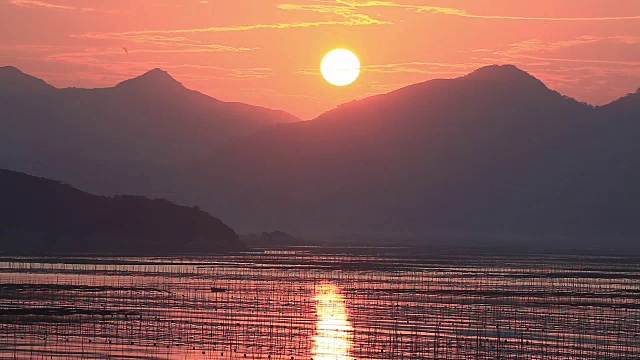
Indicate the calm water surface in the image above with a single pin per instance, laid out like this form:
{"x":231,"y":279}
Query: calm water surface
{"x":305,"y":305}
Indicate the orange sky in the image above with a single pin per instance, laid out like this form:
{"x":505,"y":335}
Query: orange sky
{"x":267,"y":52}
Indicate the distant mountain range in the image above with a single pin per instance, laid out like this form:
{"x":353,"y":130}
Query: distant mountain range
{"x":113,"y":139}
{"x":495,"y":154}
{"x":41,"y":216}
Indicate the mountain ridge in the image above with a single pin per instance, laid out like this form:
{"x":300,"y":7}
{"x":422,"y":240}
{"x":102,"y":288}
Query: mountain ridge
{"x":14,"y":80}
{"x":478,"y":154}
{"x":152,"y":80}
{"x":147,"y":125}
{"x":43,"y":216}
{"x":470,"y":155}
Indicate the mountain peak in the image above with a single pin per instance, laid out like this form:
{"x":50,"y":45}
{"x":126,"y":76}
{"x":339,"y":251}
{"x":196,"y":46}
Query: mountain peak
{"x":9,"y":70}
{"x":627,"y":104}
{"x":156,"y":79}
{"x":504,"y":74}
{"x":13,"y":80}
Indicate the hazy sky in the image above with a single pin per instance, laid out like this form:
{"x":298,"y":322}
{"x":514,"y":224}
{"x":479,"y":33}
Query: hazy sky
{"x":267,"y":52}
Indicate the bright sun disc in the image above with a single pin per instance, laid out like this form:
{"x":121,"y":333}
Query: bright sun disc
{"x":340,"y":67}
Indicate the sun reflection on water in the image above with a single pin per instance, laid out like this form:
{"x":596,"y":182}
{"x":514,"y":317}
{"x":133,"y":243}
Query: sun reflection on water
{"x":334,"y":334}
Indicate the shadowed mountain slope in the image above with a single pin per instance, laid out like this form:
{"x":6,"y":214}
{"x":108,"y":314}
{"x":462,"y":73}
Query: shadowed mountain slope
{"x":147,"y":125}
{"x":43,"y":216}
{"x":493,"y":154}
{"x":14,"y":81}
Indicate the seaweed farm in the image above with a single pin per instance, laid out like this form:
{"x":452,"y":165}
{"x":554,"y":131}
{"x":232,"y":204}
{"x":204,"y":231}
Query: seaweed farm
{"x":312,"y":305}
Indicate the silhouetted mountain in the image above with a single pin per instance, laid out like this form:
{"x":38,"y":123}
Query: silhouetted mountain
{"x":115,"y":139}
{"x":14,"y":81}
{"x":43,"y":216}
{"x":494,"y":154}
{"x":626,"y":107}
{"x":153,"y":80}
{"x":488,"y":156}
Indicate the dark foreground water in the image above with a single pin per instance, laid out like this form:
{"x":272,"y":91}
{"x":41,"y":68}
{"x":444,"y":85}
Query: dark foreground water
{"x":305,"y":305}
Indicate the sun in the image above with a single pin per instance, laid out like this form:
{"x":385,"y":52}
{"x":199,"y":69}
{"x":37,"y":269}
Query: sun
{"x":340,"y":67}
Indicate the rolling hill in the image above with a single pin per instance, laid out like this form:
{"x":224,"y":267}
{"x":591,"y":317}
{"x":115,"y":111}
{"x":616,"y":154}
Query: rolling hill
{"x":41,"y":216}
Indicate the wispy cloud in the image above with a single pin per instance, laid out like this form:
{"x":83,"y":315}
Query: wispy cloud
{"x":344,"y":15}
{"x":464,"y":13}
{"x":562,"y":50}
{"x":419,"y":8}
{"x":420,"y":67}
{"x":207,"y":72}
{"x":185,"y":46}
{"x":47,"y":5}
{"x":415,"y":67}
{"x":502,"y":17}
{"x":586,"y":61}
{"x":93,"y":56}
{"x":166,"y":43}
{"x":137,"y":35}
{"x":536,"y":45}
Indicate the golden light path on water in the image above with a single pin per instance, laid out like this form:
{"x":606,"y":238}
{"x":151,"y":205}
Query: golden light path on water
{"x":334,"y":334}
